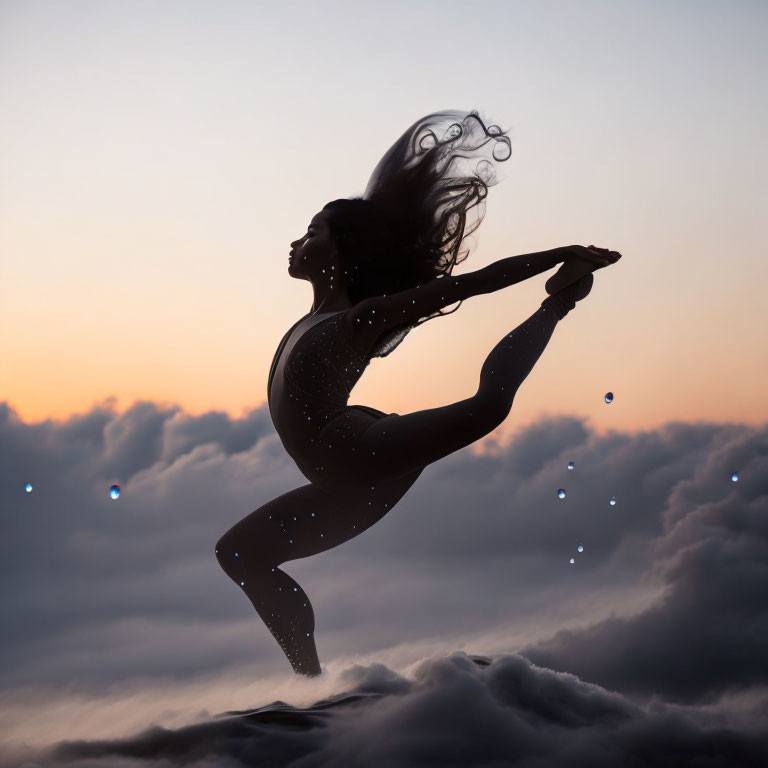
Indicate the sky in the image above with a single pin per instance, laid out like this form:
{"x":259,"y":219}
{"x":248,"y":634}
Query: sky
{"x":160,"y":158}
{"x":156,"y":162}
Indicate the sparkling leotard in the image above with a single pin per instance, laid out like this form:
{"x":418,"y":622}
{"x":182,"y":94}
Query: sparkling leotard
{"x":313,"y":372}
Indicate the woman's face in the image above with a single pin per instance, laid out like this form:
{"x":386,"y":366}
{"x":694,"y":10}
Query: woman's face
{"x":314,"y":252}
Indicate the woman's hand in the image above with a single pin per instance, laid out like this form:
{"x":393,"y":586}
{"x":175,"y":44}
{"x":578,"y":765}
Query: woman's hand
{"x":579,"y":261}
{"x":601,"y":256}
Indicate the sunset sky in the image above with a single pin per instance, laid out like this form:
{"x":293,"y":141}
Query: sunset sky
{"x":156,"y":161}
{"x":159,"y":158}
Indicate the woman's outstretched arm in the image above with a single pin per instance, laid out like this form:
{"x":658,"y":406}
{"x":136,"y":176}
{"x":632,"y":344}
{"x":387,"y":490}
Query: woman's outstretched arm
{"x":371,"y":317}
{"x":515,"y":269}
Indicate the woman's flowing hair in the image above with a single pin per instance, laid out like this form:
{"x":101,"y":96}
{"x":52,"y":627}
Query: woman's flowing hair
{"x":425,"y":196}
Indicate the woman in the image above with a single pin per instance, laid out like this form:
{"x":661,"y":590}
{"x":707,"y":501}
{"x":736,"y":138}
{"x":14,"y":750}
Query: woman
{"x":380,"y":265}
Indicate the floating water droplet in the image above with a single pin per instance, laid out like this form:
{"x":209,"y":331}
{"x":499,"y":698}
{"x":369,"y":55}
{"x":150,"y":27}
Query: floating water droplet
{"x":571,"y":465}
{"x":613,"y":500}
{"x":734,"y":477}
{"x":572,"y":561}
{"x":561,"y":493}
{"x":28,"y":487}
{"x":581,"y":548}
{"x":609,"y":397}
{"x":114,"y":491}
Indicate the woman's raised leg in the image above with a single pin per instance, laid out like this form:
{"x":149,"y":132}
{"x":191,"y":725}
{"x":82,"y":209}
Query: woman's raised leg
{"x":397,"y":443}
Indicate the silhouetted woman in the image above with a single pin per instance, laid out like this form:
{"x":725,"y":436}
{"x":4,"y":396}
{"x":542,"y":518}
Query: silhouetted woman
{"x":379,"y":266}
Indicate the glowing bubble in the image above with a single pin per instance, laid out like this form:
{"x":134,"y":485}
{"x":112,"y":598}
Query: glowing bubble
{"x":581,"y":548}
{"x":609,"y":397}
{"x":571,"y":465}
{"x":561,"y":493}
{"x":612,"y":501}
{"x":572,"y":561}
{"x":114,"y":491}
{"x":734,"y":477}
{"x":28,"y":487}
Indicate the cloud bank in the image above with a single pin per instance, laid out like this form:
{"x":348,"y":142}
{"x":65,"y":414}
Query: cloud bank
{"x":453,"y":711}
{"x":659,"y":620}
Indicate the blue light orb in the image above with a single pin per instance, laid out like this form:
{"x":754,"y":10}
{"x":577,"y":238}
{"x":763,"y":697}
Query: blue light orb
{"x":571,"y":465}
{"x":612,"y":501}
{"x":581,"y":548}
{"x":114,"y":491}
{"x":735,"y":477}
{"x":28,"y":487}
{"x":561,"y":493}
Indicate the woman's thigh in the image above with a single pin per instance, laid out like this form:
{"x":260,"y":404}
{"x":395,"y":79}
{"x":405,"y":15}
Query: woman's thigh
{"x":309,"y":520}
{"x":369,"y":446}
{"x":341,"y":459}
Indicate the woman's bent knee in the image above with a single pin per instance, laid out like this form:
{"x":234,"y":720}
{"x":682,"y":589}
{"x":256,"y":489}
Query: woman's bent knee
{"x":231,"y":550}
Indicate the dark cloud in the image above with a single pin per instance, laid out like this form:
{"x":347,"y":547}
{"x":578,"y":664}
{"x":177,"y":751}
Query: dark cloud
{"x":475,"y":556}
{"x":453,"y":711}
{"x":183,"y":433}
{"x":708,"y":633}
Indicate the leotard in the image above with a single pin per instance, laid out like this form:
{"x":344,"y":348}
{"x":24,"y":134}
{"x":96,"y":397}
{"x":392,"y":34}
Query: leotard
{"x":312,"y":375}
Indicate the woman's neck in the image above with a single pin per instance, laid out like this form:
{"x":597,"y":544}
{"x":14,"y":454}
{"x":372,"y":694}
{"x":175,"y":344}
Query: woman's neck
{"x":329,"y":301}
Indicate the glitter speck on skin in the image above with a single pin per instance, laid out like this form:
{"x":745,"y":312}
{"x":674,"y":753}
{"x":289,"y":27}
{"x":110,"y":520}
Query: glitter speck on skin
{"x":609,"y":397}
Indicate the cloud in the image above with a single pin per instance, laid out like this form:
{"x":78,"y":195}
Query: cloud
{"x":708,"y":633}
{"x":450,"y":711}
{"x":664,"y":600}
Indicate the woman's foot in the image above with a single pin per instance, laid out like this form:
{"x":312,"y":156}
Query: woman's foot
{"x":583,"y":262}
{"x":562,"y":302}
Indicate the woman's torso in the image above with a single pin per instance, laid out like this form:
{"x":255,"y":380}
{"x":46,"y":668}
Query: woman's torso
{"x":313,"y":372}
